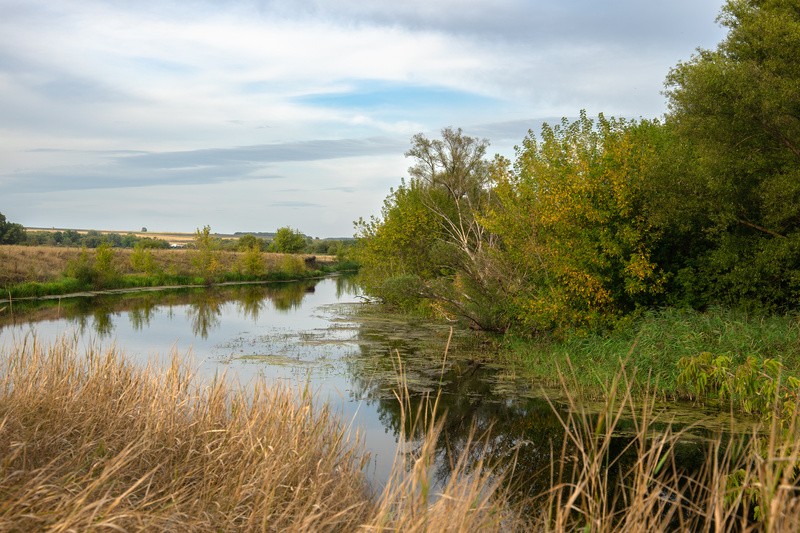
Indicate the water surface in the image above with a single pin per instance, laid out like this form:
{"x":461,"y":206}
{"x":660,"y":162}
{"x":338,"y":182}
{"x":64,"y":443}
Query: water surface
{"x":324,"y":335}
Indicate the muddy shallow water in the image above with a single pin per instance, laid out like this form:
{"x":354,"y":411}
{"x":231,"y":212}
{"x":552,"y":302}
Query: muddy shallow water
{"x":324,"y":335}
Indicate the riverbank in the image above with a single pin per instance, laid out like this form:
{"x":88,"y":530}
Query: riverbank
{"x":40,"y":271}
{"x":653,"y":347}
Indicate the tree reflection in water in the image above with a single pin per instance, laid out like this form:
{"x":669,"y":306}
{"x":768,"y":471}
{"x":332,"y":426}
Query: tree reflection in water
{"x":204,"y":312}
{"x":290,"y":295}
{"x":474,"y":395}
{"x":515,"y":432}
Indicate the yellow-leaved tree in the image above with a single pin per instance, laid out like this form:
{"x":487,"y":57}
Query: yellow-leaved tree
{"x":571,"y":226}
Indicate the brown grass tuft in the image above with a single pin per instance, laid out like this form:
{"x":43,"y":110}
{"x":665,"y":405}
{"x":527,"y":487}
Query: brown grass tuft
{"x":90,"y":442}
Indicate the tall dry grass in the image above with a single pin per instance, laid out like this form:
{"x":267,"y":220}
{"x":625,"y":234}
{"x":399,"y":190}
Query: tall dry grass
{"x":746,"y":482}
{"x":89,"y":442}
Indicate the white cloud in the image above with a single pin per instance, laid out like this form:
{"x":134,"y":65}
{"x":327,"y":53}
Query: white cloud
{"x":86,"y":78}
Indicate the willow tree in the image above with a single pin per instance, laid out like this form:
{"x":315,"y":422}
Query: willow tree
{"x":430,"y":242}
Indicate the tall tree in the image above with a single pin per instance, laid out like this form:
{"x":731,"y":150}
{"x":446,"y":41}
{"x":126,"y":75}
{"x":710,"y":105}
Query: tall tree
{"x":739,"y":107}
{"x":576,"y":242}
{"x":11,"y":233}
{"x":288,"y":241}
{"x":430,"y":241}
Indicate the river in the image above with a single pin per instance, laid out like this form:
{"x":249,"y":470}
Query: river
{"x":324,"y":335}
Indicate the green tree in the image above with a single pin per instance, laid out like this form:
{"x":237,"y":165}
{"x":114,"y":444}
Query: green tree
{"x":575,"y":243}
{"x":206,"y":257}
{"x":246,"y":242}
{"x":288,"y":241}
{"x":11,"y":233}
{"x":430,"y":242}
{"x":142,"y":259}
{"x":106,"y":271}
{"x":252,"y":261}
{"x":739,"y":107}
{"x":394,"y":250}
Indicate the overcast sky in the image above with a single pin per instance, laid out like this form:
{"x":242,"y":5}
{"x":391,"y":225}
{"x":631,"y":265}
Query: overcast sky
{"x":248,"y":115}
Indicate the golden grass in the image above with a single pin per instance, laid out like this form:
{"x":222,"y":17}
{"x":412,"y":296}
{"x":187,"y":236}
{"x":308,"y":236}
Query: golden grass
{"x":747,"y":482}
{"x":19,"y":264}
{"x":90,"y":442}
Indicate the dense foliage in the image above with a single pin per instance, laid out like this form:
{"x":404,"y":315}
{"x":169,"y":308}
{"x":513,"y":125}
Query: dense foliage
{"x":90,"y":239}
{"x":596,"y":220}
{"x":11,"y":233}
{"x":288,"y":241}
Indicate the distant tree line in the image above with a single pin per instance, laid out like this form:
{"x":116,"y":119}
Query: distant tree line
{"x":598,"y":219}
{"x":10,"y":233}
{"x":90,"y":239}
{"x":291,"y":241}
{"x":285,"y":240}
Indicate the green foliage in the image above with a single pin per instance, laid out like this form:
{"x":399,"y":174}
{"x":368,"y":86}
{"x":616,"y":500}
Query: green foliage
{"x":397,"y":244}
{"x":247,"y":242}
{"x":737,"y":108}
{"x":82,"y":269}
{"x":571,"y":225}
{"x":206,"y":254}
{"x":106,"y":272}
{"x":95,"y":271}
{"x":292,"y":265}
{"x":288,"y":241}
{"x":92,"y":239}
{"x":11,"y":233}
{"x":430,"y":233}
{"x":655,"y":342}
{"x":142,"y":259}
{"x":756,"y":386}
{"x":252,"y":261}
{"x":596,"y":221}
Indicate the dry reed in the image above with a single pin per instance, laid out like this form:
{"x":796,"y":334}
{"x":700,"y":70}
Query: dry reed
{"x":746,"y":483}
{"x":90,"y":442}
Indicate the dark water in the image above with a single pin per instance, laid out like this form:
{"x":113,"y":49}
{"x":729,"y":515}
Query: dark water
{"x":324,"y":335}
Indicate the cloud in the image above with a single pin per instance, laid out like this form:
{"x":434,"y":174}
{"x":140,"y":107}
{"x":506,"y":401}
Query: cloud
{"x":140,"y":169}
{"x":295,"y":204}
{"x":107,"y":100}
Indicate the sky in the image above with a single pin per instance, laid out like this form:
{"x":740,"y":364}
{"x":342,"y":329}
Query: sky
{"x":250,"y":115}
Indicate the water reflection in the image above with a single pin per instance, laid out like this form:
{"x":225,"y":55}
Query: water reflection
{"x":485,"y":416}
{"x":294,"y":332}
{"x":204,"y":313}
{"x":204,"y":307}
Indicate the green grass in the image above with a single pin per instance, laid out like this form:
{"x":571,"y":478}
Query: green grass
{"x":653,"y":344}
{"x":67,"y":285}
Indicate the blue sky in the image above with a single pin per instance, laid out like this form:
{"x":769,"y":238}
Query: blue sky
{"x":248,"y":115}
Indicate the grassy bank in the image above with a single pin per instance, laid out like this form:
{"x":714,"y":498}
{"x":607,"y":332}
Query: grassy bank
{"x":39,"y":271}
{"x":654,"y":344}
